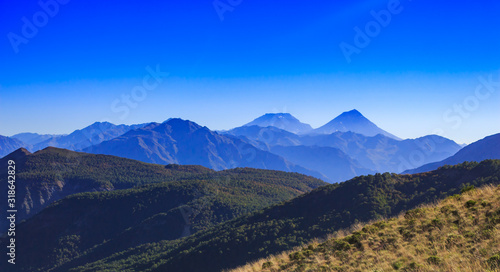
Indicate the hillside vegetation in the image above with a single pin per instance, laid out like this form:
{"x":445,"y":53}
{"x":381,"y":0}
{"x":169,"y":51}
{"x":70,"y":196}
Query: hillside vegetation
{"x":95,"y":223}
{"x":53,"y":173}
{"x":295,"y":222}
{"x":461,"y":233}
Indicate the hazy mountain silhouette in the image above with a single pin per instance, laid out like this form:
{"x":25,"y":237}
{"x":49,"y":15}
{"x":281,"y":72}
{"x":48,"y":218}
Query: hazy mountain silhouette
{"x":331,"y":162}
{"x":379,"y":153}
{"x":352,"y":121}
{"x":8,"y":144}
{"x":184,"y":142}
{"x":264,"y":137}
{"x":486,"y":148}
{"x":96,"y":133}
{"x":34,"y":138}
{"x":283,"y":121}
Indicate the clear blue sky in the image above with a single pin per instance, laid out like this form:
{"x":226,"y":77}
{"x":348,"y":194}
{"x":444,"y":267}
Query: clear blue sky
{"x":265,"y":56}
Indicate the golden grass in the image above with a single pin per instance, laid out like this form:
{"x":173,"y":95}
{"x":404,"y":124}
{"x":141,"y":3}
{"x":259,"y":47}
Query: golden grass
{"x":458,"y":234}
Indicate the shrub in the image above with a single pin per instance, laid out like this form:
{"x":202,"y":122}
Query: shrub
{"x":285,"y":266}
{"x":494,"y":261}
{"x":308,"y":252}
{"x":296,"y":256}
{"x":437,"y":223}
{"x":455,"y":196}
{"x":397,"y":265}
{"x":485,"y":203}
{"x":407,"y":233}
{"x":339,"y":269}
{"x":467,"y":189}
{"x":413,"y":266}
{"x":341,"y":245}
{"x":483,"y":252}
{"x":470,"y":203}
{"x":370,"y":229}
{"x":380,"y":225}
{"x":447,"y":209}
{"x":434,"y":260}
{"x":415,"y":213}
{"x":354,"y":239}
{"x":324,"y":268}
{"x":470,"y":234}
{"x":453,"y":240}
{"x":267,"y":265}
{"x":487,"y":233}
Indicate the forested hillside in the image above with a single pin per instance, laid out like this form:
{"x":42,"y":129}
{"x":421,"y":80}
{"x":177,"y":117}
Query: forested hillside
{"x":293,"y":223}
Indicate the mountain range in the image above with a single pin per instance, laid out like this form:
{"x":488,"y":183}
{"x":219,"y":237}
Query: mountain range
{"x":351,"y":120}
{"x":332,"y":162}
{"x":177,"y":196}
{"x":486,"y":148}
{"x":34,"y":138}
{"x":79,"y":139}
{"x":178,"y":141}
{"x":343,"y":148}
{"x":369,"y":154}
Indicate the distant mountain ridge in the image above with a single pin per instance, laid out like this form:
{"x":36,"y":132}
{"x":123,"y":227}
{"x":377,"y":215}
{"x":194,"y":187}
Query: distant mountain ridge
{"x":88,"y":136}
{"x":486,"y":148}
{"x":265,"y":137}
{"x":377,"y":153}
{"x":256,"y":144}
{"x":353,"y":121}
{"x":284,"y":121}
{"x":8,"y":144}
{"x":184,"y":142}
{"x":332,"y":162}
{"x":77,"y":140}
{"x":34,"y":138}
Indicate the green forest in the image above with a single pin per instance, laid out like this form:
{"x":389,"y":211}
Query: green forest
{"x":280,"y":227}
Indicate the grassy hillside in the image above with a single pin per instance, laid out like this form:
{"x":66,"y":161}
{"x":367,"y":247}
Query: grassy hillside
{"x":461,"y":233}
{"x":296,"y":222}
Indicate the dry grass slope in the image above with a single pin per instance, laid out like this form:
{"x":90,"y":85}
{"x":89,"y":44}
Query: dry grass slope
{"x":461,"y":233}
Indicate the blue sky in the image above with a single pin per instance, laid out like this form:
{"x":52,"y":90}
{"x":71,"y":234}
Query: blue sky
{"x":417,"y":74}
